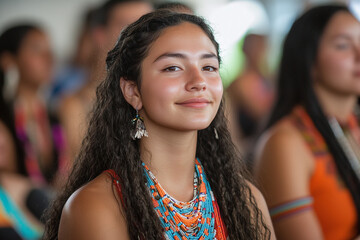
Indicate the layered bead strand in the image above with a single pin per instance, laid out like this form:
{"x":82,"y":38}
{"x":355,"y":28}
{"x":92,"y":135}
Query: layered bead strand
{"x":185,"y":220}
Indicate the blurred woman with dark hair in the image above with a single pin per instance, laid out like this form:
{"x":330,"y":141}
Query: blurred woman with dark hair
{"x":21,"y":202}
{"x":25,"y":57}
{"x":308,"y":160}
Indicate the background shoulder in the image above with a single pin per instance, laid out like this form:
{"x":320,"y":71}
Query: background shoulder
{"x":283,"y":146}
{"x":284,"y":164}
{"x":282,"y":134}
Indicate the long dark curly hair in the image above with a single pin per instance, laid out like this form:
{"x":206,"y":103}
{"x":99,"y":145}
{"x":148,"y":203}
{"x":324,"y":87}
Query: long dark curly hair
{"x":295,"y":86}
{"x":108,"y":145}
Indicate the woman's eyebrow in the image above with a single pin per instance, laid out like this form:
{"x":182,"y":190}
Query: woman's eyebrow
{"x":183,"y":56}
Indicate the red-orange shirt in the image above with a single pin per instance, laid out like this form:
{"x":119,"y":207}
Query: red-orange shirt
{"x":333,"y":203}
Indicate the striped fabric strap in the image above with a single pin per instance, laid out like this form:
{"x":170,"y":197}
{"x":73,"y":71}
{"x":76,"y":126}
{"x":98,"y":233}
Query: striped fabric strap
{"x":291,"y":208}
{"x":20,"y":223}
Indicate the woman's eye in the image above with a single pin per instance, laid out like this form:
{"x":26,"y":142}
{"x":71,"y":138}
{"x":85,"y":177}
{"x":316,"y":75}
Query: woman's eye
{"x":209,"y":69}
{"x":171,"y":69}
{"x":341,"y":46}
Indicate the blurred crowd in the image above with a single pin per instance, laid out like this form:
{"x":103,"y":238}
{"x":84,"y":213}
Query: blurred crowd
{"x":296,"y":127}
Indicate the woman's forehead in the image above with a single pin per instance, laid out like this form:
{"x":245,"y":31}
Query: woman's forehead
{"x":185,"y":37}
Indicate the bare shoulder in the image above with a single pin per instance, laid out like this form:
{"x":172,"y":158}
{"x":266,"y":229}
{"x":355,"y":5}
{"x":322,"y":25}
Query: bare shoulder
{"x":93,"y":212}
{"x":261,"y":203}
{"x":281,"y":136}
{"x":259,"y":198}
{"x":282,"y":145}
{"x":283,"y":164}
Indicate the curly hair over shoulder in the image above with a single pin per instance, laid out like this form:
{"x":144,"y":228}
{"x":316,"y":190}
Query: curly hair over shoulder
{"x":108,"y":145}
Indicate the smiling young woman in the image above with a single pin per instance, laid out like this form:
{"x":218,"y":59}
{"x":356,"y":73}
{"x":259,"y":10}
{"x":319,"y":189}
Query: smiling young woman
{"x":178,"y":176}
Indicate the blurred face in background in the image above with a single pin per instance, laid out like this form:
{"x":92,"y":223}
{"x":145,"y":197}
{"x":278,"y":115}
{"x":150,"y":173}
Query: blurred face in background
{"x":122,"y":15}
{"x":34,"y":59}
{"x":255,"y":49}
{"x":337,"y":66}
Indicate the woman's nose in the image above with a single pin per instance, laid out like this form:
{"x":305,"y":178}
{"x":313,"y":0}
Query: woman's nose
{"x":196,"y":81}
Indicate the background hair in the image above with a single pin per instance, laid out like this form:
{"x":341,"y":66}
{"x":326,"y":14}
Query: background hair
{"x":11,"y":40}
{"x":108,"y":138}
{"x":175,"y":6}
{"x":102,"y":14}
{"x":295,"y":85}
{"x":6,"y":118}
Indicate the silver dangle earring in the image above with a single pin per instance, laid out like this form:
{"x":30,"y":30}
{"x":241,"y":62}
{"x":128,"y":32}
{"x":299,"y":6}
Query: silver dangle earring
{"x":140,"y":130}
{"x":216,"y":134}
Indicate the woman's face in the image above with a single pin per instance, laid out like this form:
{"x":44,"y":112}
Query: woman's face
{"x":337,"y":67}
{"x":181,"y":87}
{"x":34,"y":59}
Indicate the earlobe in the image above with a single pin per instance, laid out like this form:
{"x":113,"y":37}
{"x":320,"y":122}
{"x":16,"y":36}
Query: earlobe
{"x":131,"y":93}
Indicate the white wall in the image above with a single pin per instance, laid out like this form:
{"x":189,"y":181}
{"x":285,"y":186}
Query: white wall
{"x":60,"y":18}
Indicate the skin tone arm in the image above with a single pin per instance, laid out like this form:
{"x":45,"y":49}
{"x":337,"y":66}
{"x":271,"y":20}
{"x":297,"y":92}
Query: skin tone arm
{"x":260,"y":201}
{"x":85,"y":216}
{"x":283,"y":169}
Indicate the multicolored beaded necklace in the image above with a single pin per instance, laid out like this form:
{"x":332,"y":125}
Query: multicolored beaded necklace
{"x":196,"y":219}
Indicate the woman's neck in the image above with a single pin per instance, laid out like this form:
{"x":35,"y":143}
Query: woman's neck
{"x":170,"y":155}
{"x":336,"y":105}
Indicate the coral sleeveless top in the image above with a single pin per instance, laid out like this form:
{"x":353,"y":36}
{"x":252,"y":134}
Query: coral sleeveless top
{"x":333,"y":203}
{"x":221,"y":233}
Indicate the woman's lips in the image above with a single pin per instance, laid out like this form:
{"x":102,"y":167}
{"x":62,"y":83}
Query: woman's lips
{"x":195,"y":103}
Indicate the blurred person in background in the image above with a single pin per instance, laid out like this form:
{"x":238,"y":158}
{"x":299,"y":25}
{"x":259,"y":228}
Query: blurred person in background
{"x":25,"y":50}
{"x":251,"y":93}
{"x":308,"y":159}
{"x":21,"y":202}
{"x":108,"y":21}
{"x":176,"y":7}
{"x":75,"y":72}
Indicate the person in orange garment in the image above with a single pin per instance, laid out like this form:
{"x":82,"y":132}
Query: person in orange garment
{"x":308,"y":159}
{"x":158,"y":161}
